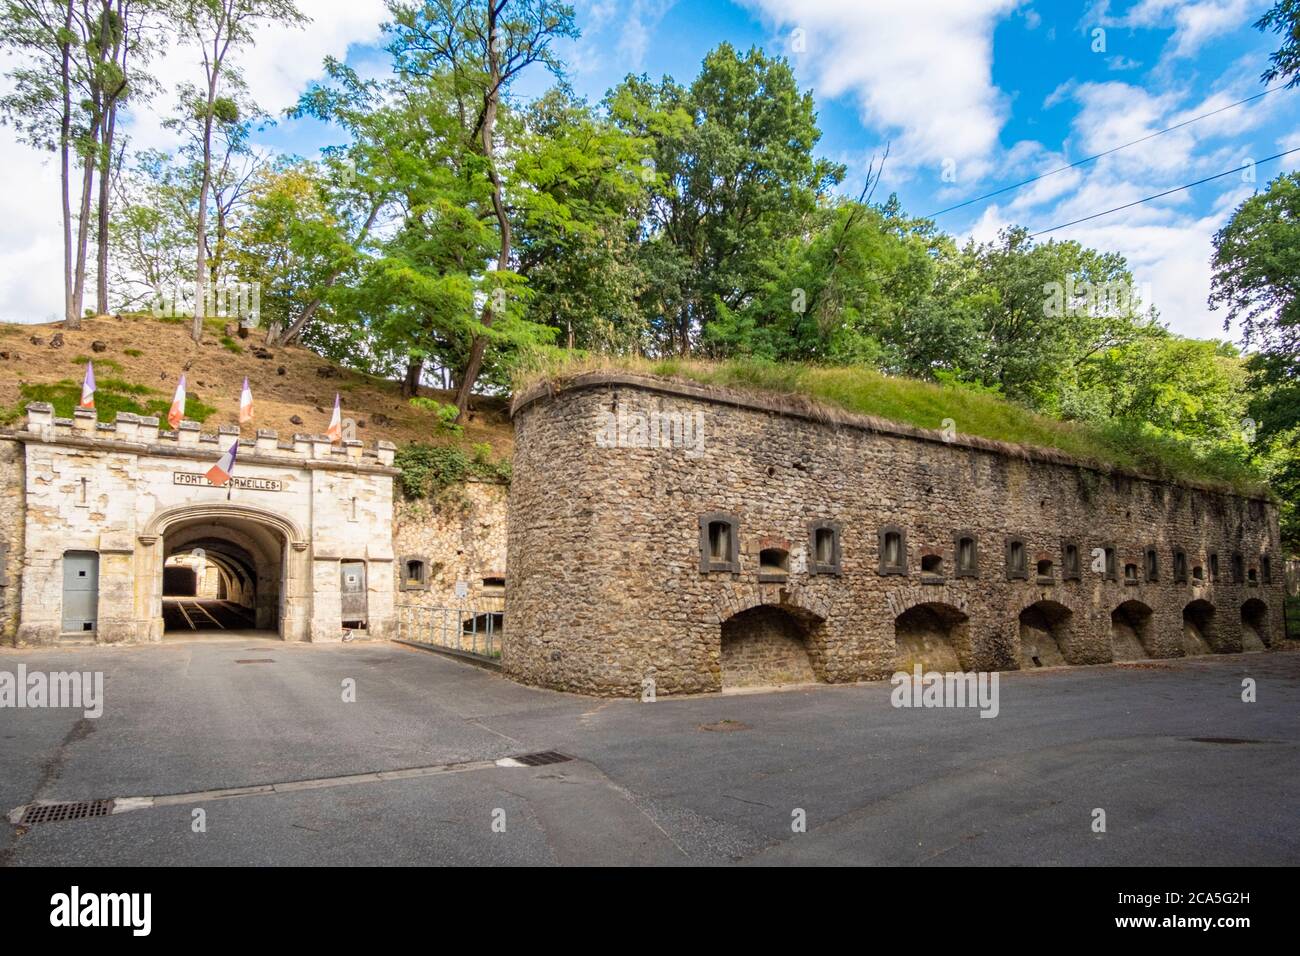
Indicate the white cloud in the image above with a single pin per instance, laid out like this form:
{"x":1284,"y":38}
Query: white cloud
{"x":1168,"y":242}
{"x":613,"y":35}
{"x":281,"y":63}
{"x":920,"y":73}
{"x":1193,"y":24}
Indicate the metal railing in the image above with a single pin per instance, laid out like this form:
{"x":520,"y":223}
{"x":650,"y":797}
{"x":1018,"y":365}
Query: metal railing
{"x":474,"y":630}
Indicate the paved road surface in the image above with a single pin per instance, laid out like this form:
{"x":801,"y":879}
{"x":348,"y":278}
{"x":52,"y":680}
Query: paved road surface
{"x":1186,"y":772}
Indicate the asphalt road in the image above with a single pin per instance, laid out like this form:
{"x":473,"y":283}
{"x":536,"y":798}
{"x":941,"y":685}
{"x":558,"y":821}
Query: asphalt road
{"x":1184,"y":770}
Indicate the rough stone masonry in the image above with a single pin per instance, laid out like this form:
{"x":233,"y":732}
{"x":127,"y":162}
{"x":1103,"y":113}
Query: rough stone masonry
{"x":785,"y":541}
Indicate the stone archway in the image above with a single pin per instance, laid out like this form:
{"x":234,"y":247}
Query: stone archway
{"x":931,"y":634}
{"x":1045,"y":631}
{"x":765,"y":645}
{"x":1130,"y":632}
{"x":1254,"y":625}
{"x":262,"y":557}
{"x":1200,"y":630}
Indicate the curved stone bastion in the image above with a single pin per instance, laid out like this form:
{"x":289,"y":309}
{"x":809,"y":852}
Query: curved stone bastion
{"x":688,"y":539}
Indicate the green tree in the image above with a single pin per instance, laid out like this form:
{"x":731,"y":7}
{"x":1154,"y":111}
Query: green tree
{"x":482,"y":47}
{"x":1257,"y":280}
{"x":1283,"y":19}
{"x":217,"y":28}
{"x":76,"y":66}
{"x":735,"y":177}
{"x":581,"y":191}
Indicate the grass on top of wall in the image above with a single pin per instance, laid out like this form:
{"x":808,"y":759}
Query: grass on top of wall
{"x":926,"y":405}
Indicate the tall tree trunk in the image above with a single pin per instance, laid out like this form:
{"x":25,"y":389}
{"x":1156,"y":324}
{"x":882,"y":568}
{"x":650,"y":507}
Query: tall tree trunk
{"x":121,"y":47}
{"x":411,"y":381}
{"x":71,"y":317}
{"x":491,"y":98}
{"x":101,"y":238}
{"x":201,"y":257}
{"x":83,"y":229}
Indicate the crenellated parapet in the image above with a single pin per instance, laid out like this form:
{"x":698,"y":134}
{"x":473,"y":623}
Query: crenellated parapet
{"x":146,"y":434}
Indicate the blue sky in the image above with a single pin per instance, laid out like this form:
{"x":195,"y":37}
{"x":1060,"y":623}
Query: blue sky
{"x":989,"y":91}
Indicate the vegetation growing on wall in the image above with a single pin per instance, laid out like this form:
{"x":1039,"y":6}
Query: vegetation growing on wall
{"x":936,"y":405}
{"x":428,"y":469}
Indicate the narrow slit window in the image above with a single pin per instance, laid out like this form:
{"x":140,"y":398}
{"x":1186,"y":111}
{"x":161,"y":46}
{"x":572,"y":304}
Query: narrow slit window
{"x":1017,"y":560}
{"x":1214,"y":567}
{"x":893,"y":551}
{"x":1070,"y":562}
{"x":719,"y":543}
{"x":1152,"y":565}
{"x":1180,"y":566}
{"x":824,"y":547}
{"x":719,"y":540}
{"x":967,"y":559}
{"x":1238,"y":568}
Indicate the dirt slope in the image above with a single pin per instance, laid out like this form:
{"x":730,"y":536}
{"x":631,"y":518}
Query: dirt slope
{"x":142,"y":358}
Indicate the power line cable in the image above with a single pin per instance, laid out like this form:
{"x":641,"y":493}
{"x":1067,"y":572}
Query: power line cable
{"x":1114,"y":149}
{"x":1167,"y":192}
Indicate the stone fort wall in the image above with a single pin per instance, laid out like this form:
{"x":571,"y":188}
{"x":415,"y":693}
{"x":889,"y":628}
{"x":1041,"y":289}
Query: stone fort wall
{"x":460,"y":538}
{"x":612,"y":582}
{"x":11,"y":536}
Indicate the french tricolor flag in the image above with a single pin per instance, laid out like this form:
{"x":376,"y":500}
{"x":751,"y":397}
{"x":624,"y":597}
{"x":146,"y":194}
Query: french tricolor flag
{"x":177,"y":414}
{"x":245,"y":404}
{"x":220,"y":473}
{"x":88,"y":387}
{"x":335,"y":431}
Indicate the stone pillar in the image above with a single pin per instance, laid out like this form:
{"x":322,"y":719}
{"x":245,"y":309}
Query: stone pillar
{"x":326,"y":600}
{"x":117,"y":619}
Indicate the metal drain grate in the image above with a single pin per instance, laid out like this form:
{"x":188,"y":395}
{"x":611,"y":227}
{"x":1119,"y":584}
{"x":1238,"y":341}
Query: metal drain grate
{"x":59,"y":812}
{"x":543,"y":758}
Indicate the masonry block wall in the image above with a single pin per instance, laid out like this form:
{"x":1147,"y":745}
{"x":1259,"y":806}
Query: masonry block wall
{"x":611,"y":582}
{"x":11,"y":536}
{"x":458,"y":537}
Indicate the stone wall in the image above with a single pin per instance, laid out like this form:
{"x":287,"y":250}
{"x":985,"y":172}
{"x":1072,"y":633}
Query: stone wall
{"x":11,"y":536}
{"x":460,"y":536}
{"x":605,"y":537}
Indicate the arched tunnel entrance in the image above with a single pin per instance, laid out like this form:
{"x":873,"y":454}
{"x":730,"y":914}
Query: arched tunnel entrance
{"x":1200,"y":632}
{"x":1130,"y":630}
{"x":930,"y":634}
{"x":1044,"y":634}
{"x":221,"y":573}
{"x":764,"y":646}
{"x":1254,"y":625}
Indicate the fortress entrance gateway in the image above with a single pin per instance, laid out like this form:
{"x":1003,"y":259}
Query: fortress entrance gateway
{"x":125,"y":539}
